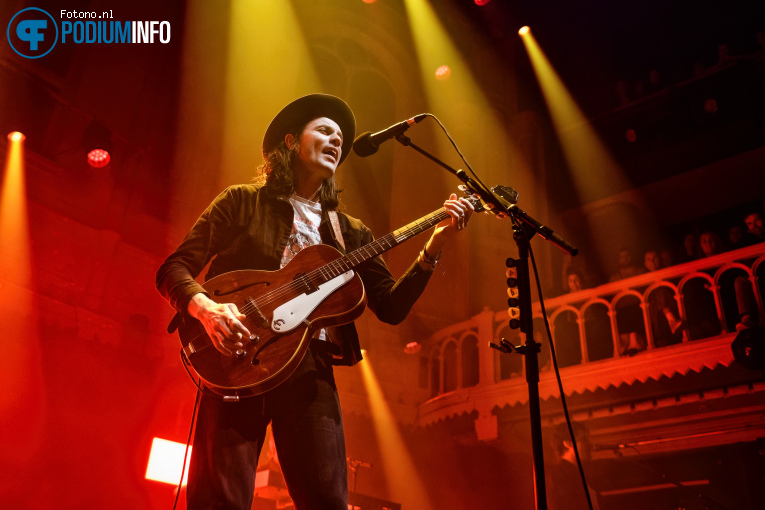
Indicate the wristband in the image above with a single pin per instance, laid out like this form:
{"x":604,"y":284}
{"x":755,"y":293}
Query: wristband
{"x":430,"y":260}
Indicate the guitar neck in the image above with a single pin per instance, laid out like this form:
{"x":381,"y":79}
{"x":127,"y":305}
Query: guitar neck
{"x":383,"y":244}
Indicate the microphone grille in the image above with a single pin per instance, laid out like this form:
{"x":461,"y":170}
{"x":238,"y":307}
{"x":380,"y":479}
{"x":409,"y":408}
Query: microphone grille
{"x":363,"y":145}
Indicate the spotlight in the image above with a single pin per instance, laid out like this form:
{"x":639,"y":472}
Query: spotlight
{"x":443,"y":72}
{"x":16,"y":136}
{"x":630,"y":135}
{"x":710,"y":105}
{"x":369,"y":1}
{"x":482,"y":2}
{"x":524,"y":30}
{"x":166,"y":461}
{"x":98,"y":158}
{"x":413,"y":347}
{"x":97,"y":142}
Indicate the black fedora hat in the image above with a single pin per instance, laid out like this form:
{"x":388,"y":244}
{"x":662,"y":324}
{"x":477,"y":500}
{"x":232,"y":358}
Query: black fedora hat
{"x":302,"y":111}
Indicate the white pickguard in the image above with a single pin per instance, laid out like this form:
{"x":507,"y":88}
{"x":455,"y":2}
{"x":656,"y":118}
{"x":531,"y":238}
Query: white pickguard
{"x":292,"y":313}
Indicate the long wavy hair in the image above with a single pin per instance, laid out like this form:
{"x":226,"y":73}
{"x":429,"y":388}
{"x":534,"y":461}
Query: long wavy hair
{"x":277,"y":172}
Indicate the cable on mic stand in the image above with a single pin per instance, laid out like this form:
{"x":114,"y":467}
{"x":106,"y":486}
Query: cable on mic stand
{"x":501,"y":201}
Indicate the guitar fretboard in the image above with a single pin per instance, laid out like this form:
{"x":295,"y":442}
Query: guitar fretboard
{"x":309,"y":282}
{"x":377,"y":247}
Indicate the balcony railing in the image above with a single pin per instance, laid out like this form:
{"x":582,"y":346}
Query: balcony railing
{"x":609,"y":335}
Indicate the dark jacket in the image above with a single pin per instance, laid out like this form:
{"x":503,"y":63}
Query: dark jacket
{"x":247,"y":227}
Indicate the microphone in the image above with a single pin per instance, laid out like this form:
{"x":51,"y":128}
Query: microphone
{"x":367,"y":143}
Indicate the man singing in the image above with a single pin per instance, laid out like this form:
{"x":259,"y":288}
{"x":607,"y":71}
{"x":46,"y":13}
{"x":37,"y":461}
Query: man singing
{"x":263,"y":226}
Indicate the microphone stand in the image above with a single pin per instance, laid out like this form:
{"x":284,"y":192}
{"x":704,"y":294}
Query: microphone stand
{"x":522,"y":234}
{"x":495,"y":203}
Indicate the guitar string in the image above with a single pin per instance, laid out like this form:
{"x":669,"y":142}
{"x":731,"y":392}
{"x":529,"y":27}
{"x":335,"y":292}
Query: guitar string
{"x":339,"y":266}
{"x":344,"y":264}
{"x":293,"y":287}
{"x":326,"y":272}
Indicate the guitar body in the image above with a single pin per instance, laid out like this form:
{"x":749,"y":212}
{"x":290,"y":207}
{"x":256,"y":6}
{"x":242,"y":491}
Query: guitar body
{"x":284,"y":311}
{"x":319,"y":288}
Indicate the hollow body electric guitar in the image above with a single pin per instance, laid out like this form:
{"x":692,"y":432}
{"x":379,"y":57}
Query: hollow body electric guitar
{"x":284,"y":309}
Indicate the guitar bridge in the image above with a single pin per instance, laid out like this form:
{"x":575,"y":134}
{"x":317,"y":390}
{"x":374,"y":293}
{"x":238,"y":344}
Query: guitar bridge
{"x":261,"y":318}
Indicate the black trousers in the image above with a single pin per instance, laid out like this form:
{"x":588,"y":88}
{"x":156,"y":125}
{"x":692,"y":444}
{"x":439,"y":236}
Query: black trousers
{"x":305,"y":417}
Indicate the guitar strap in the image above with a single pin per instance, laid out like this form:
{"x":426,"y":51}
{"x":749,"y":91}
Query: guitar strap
{"x":333,"y":219}
{"x":174,"y":323}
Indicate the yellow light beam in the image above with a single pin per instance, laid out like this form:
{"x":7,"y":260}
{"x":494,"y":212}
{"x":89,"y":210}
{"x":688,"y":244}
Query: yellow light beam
{"x":403,"y":479}
{"x":269,"y":65}
{"x":242,"y":62}
{"x":502,"y":144}
{"x":199,"y":122}
{"x":435,"y":49}
{"x":14,"y":229}
{"x":22,"y":403}
{"x":458,"y":100}
{"x":595,"y":172}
